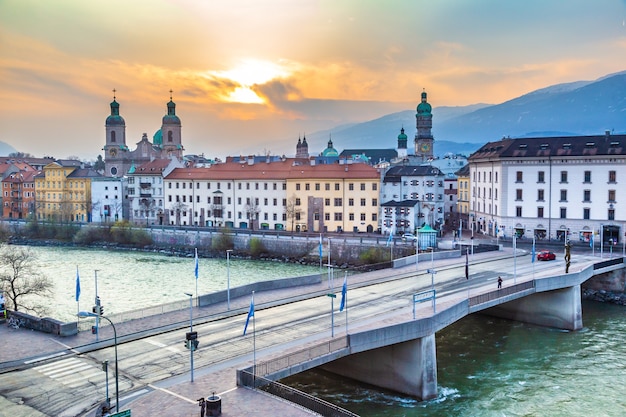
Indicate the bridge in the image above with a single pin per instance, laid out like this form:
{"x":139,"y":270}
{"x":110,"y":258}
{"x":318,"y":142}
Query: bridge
{"x":397,"y":351}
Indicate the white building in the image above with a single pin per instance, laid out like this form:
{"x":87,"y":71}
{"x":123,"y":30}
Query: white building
{"x":107,"y":199}
{"x":550,"y":187}
{"x":423,"y":184}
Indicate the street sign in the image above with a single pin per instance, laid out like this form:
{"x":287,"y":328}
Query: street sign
{"x":332,"y":295}
{"x":125,"y":413}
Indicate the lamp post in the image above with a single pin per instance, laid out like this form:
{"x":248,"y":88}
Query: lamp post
{"x":190,"y":331}
{"x":228,"y":276}
{"x":117,"y":391}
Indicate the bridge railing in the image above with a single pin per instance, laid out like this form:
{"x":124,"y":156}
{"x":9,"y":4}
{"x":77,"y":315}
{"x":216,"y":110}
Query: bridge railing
{"x":301,"y":356}
{"x":293,"y":395}
{"x":501,"y":292}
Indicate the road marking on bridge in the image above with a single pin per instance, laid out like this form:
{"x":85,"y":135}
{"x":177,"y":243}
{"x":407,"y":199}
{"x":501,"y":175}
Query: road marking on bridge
{"x":173,"y":394}
{"x":162,"y":345}
{"x":43,"y":358}
{"x":68,"y":371}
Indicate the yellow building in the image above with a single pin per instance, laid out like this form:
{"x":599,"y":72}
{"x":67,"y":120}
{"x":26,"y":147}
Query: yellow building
{"x":463,"y":197}
{"x":63,"y":192}
{"x":332,"y":197}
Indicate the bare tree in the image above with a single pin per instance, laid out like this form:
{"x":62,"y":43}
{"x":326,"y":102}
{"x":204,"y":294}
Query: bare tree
{"x":292,"y":210}
{"x":178,"y":208}
{"x":147,"y":204}
{"x":20,"y":278}
{"x":252,"y":211}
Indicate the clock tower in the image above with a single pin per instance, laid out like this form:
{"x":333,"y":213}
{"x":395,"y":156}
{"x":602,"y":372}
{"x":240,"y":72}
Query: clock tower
{"x":424,"y":123}
{"x":115,"y":141}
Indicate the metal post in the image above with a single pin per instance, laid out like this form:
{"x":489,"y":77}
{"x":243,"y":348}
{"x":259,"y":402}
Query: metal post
{"x":228,"y":276}
{"x":97,"y":303}
{"x":117,"y":385}
{"x":190,"y":330}
{"x":105,"y":366}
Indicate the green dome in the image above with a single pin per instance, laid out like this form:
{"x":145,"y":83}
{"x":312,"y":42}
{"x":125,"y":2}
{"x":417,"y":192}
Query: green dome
{"x":402,"y":136}
{"x":115,"y":119}
{"x":330,"y":151}
{"x":157,"y":139}
{"x":424,"y":109}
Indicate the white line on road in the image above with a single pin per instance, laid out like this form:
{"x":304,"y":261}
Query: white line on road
{"x":43,"y":358}
{"x":162,"y":345}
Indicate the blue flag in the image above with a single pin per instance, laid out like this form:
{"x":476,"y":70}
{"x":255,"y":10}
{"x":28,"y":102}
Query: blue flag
{"x":77,"y":284}
{"x":320,"y":246}
{"x":591,"y":240}
{"x":196,"y":267}
{"x":344,"y":293}
{"x":250,"y":314}
{"x":533,"y":252}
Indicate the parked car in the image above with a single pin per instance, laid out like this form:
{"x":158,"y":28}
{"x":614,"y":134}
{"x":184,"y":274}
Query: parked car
{"x":409,"y":237}
{"x":546,"y":255}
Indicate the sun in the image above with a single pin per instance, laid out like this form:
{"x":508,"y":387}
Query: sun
{"x":248,"y":73}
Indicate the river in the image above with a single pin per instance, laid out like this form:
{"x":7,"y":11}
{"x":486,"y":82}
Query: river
{"x":129,"y":280}
{"x":495,"y":367}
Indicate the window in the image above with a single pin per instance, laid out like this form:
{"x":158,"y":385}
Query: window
{"x":611,"y":214}
{"x":563,"y":195}
{"x":587,"y":196}
{"x":611,"y":196}
{"x":563,"y":176}
{"x":338,"y":202}
{"x":612,"y":176}
{"x":307,"y":186}
{"x":541,"y":176}
{"x":587,"y":177}
{"x":519,"y":176}
{"x":317,"y":186}
{"x":338,"y":217}
{"x":337,"y":186}
{"x":298,"y":217}
{"x":362,"y":217}
{"x":374,"y":217}
{"x":351,"y":186}
{"x":327,"y":216}
{"x":518,"y":194}
{"x":351,"y":202}
{"x":363,"y":202}
{"x":540,"y":195}
{"x":327,"y":201}
{"x":586,"y":213}
{"x":374,"y":202}
{"x":374,"y":186}
{"x":327,"y":187}
{"x":351,"y":217}
{"x":362,"y":186}
{"x":298,"y":187}
{"x":297,"y":201}
{"x":540,"y":212}
{"x":518,"y":211}
{"x":563,"y":213}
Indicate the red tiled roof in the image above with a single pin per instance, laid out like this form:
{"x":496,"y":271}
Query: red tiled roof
{"x":275,"y":171}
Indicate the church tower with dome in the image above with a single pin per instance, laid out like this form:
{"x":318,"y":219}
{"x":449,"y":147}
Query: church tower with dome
{"x":424,"y":137}
{"x":167,"y":142}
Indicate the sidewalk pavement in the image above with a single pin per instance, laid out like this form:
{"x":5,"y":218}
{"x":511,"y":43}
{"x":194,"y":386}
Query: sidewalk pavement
{"x":179,"y":398}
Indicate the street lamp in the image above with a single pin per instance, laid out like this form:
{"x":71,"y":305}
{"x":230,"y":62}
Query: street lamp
{"x":117,"y":391}
{"x":228,"y":251}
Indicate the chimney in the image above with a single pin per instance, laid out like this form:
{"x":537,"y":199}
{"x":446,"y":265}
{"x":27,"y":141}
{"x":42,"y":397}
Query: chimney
{"x":607,"y":133}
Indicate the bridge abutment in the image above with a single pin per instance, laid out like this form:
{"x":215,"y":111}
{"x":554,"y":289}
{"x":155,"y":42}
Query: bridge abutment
{"x":560,"y":308}
{"x":408,"y":367}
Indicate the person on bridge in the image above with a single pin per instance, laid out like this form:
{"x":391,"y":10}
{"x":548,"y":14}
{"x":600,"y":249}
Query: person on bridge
{"x":499,"y":282}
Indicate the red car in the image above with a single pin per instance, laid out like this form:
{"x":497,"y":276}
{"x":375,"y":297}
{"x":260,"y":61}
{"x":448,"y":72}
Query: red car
{"x":546,"y":255}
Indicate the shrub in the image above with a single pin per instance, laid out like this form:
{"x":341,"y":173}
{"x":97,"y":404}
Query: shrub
{"x":88,"y":235}
{"x":140,"y":238}
{"x":222,"y":242}
{"x":257,"y":247}
{"x":374,"y":256}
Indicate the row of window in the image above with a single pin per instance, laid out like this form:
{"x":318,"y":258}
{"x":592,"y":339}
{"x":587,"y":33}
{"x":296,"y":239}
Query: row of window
{"x":60,"y":185}
{"x":217,"y":213}
{"x":541,"y":177}
{"x":563,"y":213}
{"x":563,"y":195}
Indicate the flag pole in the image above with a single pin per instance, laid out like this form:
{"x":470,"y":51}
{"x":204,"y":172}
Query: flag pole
{"x":346,"y":300}
{"x":253,"y":343}
{"x":196,"y":273}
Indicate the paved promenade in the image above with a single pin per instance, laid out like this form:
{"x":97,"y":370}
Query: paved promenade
{"x":177,"y":396}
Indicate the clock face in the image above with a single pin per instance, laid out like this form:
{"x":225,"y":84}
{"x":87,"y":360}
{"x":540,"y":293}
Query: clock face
{"x":425,"y":147}
{"x":113,"y":152}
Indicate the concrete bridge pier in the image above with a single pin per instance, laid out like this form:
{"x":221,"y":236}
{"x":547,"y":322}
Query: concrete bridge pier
{"x":560,"y":308}
{"x":408,"y":367}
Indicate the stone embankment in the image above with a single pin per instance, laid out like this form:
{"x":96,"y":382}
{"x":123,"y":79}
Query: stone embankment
{"x":605,"y":296}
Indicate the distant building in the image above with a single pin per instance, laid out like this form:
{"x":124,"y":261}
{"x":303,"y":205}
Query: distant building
{"x":18,"y":195}
{"x":166,"y":144}
{"x":107,"y":199}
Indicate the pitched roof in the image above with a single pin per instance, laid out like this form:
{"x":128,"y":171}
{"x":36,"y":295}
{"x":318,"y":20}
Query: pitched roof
{"x":560,"y":146}
{"x":281,"y":170}
{"x":395,"y":173}
{"x":84,"y":173}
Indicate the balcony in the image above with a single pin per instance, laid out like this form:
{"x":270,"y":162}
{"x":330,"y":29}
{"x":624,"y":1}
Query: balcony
{"x":145,"y":195}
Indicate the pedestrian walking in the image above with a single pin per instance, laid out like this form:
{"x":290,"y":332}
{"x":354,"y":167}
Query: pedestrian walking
{"x":499,"y":282}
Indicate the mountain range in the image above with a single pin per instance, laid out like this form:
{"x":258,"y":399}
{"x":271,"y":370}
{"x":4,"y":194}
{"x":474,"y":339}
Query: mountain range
{"x":576,"y":108}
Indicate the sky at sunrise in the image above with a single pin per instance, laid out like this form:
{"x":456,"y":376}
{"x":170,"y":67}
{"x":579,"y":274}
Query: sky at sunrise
{"x":251,"y":76}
